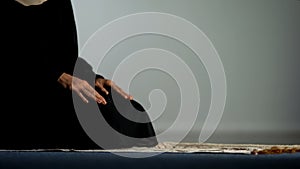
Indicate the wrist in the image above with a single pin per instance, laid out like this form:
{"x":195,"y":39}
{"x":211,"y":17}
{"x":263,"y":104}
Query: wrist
{"x":65,"y":80}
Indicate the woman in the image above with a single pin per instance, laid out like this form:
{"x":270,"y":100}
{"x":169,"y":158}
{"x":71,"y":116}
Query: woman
{"x":38,"y":111}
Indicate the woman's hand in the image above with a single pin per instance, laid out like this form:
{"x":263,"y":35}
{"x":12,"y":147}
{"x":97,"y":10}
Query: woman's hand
{"x":102,"y":83}
{"x":81,"y":87}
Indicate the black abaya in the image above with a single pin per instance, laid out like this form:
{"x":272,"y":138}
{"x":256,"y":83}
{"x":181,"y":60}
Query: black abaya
{"x":41,"y":44}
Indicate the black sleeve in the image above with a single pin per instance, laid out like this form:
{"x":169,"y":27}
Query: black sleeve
{"x":85,"y":71}
{"x":61,"y":41}
{"x":43,"y":39}
{"x":64,"y":41}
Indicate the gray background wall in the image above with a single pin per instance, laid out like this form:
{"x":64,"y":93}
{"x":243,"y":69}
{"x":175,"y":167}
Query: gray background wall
{"x":258,"y":43}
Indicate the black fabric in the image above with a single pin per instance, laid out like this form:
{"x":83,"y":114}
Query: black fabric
{"x":40,"y":43}
{"x":138,"y":126}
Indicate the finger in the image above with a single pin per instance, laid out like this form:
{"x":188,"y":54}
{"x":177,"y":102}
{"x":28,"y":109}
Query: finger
{"x":92,"y":93}
{"x":84,"y":99}
{"x":130,"y":97}
{"x":120,"y":91}
{"x":103,"y":90}
{"x":102,"y":100}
